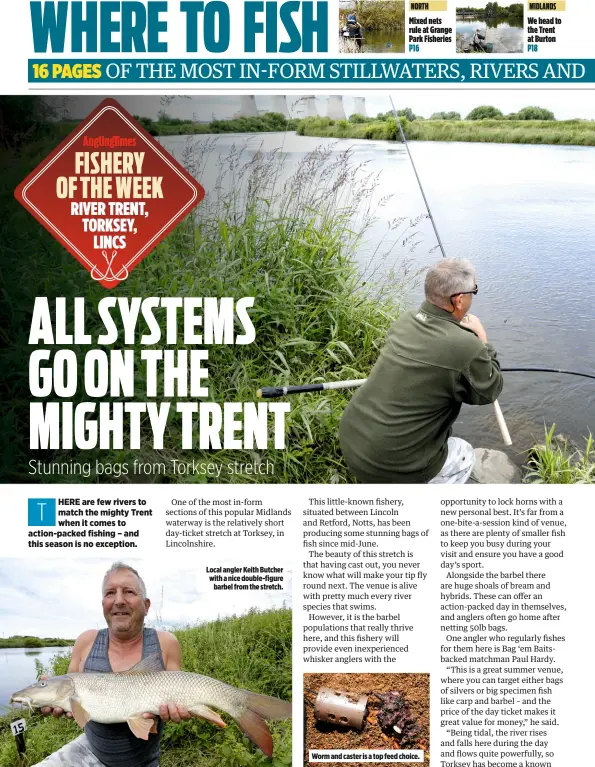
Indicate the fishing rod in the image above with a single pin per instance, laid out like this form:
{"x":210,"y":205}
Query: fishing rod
{"x":497,"y":410}
{"x":421,"y":189}
{"x":273,"y":392}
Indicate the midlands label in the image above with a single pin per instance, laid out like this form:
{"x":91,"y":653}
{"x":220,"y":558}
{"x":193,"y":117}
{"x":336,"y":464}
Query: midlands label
{"x":109,"y":193}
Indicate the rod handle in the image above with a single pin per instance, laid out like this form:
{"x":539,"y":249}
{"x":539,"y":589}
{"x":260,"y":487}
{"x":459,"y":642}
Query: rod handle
{"x":502,"y":424}
{"x":270,"y":392}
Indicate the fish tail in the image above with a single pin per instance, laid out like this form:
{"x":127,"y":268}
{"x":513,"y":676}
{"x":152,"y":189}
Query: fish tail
{"x":252,"y":721}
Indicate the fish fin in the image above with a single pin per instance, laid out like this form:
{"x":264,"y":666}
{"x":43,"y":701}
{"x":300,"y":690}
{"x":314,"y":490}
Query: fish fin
{"x":255,"y":728}
{"x":140,"y":726}
{"x":81,"y":717}
{"x":253,"y":724}
{"x":150,"y":663}
{"x":268,"y":707}
{"x":206,"y":713}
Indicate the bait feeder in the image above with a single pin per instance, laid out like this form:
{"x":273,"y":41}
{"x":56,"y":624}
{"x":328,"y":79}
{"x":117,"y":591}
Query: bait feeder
{"x":346,"y":709}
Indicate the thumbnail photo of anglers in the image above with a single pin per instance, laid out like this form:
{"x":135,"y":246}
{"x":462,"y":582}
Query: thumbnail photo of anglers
{"x":490,"y":27}
{"x":371,"y":26}
{"x":366,"y":712}
{"x":134,"y":664}
{"x":409,"y":270}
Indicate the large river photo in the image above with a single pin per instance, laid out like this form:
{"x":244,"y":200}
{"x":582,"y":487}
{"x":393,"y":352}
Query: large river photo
{"x":523,"y":214}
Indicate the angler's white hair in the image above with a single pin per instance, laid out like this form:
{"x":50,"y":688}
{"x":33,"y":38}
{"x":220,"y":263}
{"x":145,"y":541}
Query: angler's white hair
{"x":447,"y":278}
{"x":123,"y":566}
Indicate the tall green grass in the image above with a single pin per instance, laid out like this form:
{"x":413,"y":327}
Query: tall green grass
{"x":291,"y":244}
{"x":555,"y":462}
{"x":505,"y":131}
{"x":252,"y":652}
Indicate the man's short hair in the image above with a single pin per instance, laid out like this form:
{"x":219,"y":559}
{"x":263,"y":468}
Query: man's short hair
{"x":123,"y":566}
{"x":447,"y":278}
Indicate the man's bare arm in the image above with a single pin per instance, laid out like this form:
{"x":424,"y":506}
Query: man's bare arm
{"x":80,"y":650}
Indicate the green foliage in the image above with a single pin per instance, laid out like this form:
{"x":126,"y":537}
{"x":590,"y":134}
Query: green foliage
{"x":271,"y":121}
{"x":148,"y":124}
{"x":253,"y":652}
{"x":535,"y":113}
{"x":493,"y":10}
{"x":484,"y":113}
{"x":555,"y":463}
{"x":446,"y":116}
{"x":174,"y":126}
{"x":376,"y":14}
{"x":507,"y":130}
{"x":357,"y":118}
{"x":407,"y":113}
{"x":29,"y":641}
{"x":23,"y":118}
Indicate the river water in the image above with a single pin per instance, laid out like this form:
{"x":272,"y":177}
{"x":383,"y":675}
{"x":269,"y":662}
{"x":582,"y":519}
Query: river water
{"x":506,"y":36}
{"x":384,"y":41}
{"x":525,"y":215}
{"x":17,"y":668}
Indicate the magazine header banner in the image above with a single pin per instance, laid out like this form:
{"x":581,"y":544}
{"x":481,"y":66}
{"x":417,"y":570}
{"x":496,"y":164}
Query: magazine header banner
{"x":51,"y":44}
{"x":287,"y":71}
{"x":130,"y":26}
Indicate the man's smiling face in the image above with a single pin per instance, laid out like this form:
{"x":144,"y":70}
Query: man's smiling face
{"x":124,"y":607}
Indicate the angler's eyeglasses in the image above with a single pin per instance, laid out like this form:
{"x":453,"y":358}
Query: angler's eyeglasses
{"x":474,"y":292}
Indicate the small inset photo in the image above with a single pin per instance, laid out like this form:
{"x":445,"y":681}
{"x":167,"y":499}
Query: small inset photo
{"x":490,"y":27}
{"x":371,"y":26}
{"x":346,"y":714}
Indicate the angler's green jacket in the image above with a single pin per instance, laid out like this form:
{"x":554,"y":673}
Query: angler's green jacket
{"x":396,"y":426}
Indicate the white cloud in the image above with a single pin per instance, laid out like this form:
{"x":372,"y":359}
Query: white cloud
{"x":565,"y":104}
{"x":62,"y":598}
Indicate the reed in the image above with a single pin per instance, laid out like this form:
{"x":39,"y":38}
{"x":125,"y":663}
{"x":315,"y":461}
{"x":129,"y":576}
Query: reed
{"x":555,"y":462}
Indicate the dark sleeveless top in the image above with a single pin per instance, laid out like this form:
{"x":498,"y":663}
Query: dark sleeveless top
{"x":115,"y":745}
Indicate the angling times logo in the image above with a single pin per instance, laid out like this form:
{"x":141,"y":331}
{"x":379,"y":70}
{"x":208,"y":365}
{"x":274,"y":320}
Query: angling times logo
{"x":109,"y":193}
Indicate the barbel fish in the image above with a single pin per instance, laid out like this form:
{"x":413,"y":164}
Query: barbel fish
{"x":125,"y":696}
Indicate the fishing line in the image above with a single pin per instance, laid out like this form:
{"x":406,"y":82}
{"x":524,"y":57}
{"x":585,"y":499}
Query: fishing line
{"x":549,"y":370}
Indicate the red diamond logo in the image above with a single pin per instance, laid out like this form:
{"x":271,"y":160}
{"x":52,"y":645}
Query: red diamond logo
{"x":109,"y":193}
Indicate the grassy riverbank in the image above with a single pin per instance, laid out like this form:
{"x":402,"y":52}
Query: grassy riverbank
{"x":252,"y":652}
{"x":289,"y":244}
{"x":29,"y":641}
{"x":566,"y":132}
{"x":172,"y":126}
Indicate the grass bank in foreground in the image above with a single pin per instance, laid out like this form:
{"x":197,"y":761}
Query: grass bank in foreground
{"x":557,"y":462}
{"x":252,"y":652}
{"x":564,"y":132}
{"x":291,"y":244}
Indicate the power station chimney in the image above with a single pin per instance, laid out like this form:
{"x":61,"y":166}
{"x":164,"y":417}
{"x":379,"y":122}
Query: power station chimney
{"x":335,"y":109}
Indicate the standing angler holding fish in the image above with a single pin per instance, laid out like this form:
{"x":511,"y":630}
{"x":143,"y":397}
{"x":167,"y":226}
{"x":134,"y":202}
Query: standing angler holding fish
{"x":120,"y":678}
